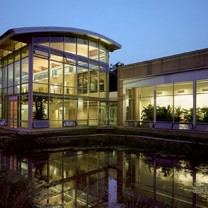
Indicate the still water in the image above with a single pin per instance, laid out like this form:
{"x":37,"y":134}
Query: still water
{"x":86,"y":178}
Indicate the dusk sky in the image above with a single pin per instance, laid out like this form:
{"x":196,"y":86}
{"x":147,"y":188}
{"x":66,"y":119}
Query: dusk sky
{"x":146,"y":29}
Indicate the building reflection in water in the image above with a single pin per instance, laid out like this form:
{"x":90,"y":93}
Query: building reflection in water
{"x":89,"y":178}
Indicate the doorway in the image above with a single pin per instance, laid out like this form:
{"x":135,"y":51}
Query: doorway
{"x":12,"y":121}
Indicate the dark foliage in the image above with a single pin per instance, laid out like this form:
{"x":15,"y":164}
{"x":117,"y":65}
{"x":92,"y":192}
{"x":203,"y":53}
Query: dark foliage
{"x":39,"y":104}
{"x":17,"y":190}
{"x":113,"y":76}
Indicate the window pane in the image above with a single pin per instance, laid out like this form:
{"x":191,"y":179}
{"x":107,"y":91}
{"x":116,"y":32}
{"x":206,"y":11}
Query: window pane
{"x":70,"y":109}
{"x":183,"y":100}
{"x":103,"y":54}
{"x":93,"y":113}
{"x":82,"y":47}
{"x":4,"y":81}
{"x":93,"y":81}
{"x":93,"y":50}
{"x":102,"y":82}
{"x":17,"y":55}
{"x":25,"y":70}
{"x":56,"y":112}
{"x":70,"y":45}
{"x":41,"y":51}
{"x":17,"y":72}
{"x":40,"y":107}
{"x":1,"y":71}
{"x":10,"y":58}
{"x":164,"y":102}
{"x":25,"y":52}
{"x":56,"y":55}
{"x":42,"y":40}
{"x":82,"y":81}
{"x":201,"y":101}
{"x":56,"y":77}
{"x":40,"y":70}
{"x":146,"y":104}
{"x":69,"y":79}
{"x":82,"y":113}
{"x":10,"y":75}
{"x":24,"y":111}
{"x":56,"y":42}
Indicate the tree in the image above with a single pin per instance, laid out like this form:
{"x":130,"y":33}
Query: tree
{"x":39,"y":104}
{"x":113,"y":76}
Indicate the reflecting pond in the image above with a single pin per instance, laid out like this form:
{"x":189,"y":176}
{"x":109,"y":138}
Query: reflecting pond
{"x":95,"y":178}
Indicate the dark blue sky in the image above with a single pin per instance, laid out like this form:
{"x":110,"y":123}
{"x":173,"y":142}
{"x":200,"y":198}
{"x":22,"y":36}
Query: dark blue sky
{"x":146,"y":29}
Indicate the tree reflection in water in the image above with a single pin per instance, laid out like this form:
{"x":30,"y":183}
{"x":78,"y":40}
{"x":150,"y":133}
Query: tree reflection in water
{"x":115,"y":178}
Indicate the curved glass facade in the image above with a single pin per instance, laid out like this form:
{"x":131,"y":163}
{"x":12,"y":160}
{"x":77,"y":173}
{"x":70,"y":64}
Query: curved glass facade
{"x":57,"y":78}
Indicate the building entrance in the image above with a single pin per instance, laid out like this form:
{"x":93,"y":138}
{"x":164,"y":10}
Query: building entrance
{"x":13,"y":112}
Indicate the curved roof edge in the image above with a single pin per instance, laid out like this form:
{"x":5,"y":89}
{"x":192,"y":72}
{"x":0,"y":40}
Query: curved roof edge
{"x":30,"y":30}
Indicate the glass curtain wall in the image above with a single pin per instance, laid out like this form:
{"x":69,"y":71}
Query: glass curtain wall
{"x":75,"y":69}
{"x":171,"y":102}
{"x":70,"y":79}
{"x":14,"y":82}
{"x":201,"y":101}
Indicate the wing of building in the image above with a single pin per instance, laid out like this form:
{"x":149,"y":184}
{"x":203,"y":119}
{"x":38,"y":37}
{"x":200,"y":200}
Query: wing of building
{"x":169,"y":92}
{"x":54,"y":76}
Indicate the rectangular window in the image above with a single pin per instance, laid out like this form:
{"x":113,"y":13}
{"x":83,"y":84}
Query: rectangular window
{"x":40,"y":74}
{"x":93,"y":50}
{"x":146,"y":103}
{"x":41,"y":40}
{"x":82,"y":47}
{"x":103,"y":55}
{"x":24,"y":52}
{"x":10,"y":75}
{"x":70,"y":45}
{"x":25,"y":70}
{"x":17,"y":55}
{"x":93,"y":81}
{"x":201,"y":101}
{"x":70,"y":58}
{"x":56,"y":79}
{"x":69,"y":79}
{"x":183,"y":100}
{"x":56,"y":55}
{"x":70,"y":109}
{"x":56,"y":42}
{"x":40,"y":51}
{"x":164,"y":102}
{"x":82,"y":81}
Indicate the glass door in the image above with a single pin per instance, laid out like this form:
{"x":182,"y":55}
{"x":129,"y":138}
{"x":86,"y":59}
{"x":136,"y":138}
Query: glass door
{"x":13,"y":112}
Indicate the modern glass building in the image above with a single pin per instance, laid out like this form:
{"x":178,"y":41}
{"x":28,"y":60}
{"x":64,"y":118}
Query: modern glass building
{"x":56,"y":74}
{"x":168,"y":92}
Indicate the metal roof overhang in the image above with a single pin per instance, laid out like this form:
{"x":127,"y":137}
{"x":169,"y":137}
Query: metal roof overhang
{"x":24,"y":34}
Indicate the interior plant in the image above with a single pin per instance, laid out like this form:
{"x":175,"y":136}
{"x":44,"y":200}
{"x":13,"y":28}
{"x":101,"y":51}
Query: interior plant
{"x":148,"y":113}
{"x":164,"y":113}
{"x":39,"y":105}
{"x":204,"y":111}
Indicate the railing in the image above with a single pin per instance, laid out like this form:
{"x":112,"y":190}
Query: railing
{"x":167,"y":125}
